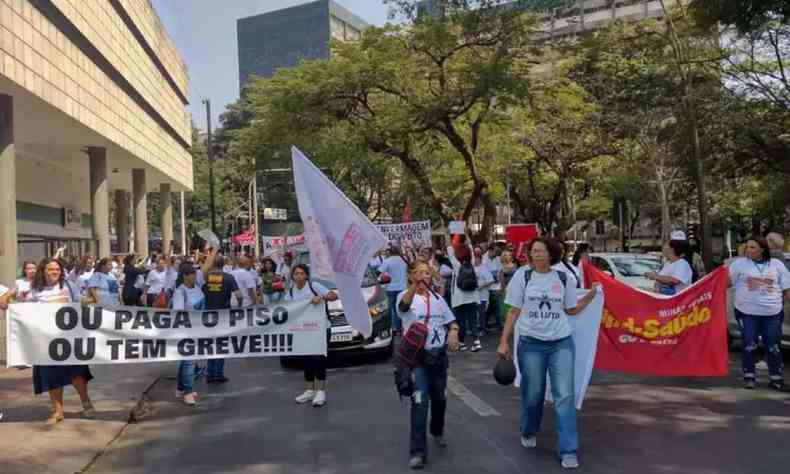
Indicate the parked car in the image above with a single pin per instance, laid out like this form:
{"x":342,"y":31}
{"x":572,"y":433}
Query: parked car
{"x":734,"y":331}
{"x":628,"y":268}
{"x":346,"y":340}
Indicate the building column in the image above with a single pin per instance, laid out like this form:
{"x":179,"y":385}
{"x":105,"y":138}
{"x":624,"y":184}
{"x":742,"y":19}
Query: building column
{"x":100,"y":200}
{"x":166,"y":201}
{"x":122,"y":220}
{"x":184,"y":249}
{"x":8,"y":239}
{"x":140,"y":213}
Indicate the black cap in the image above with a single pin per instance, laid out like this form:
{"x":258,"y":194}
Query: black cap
{"x":505,"y":372}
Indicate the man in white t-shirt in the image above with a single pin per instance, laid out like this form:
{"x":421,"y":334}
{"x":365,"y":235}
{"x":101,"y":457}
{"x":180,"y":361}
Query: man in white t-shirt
{"x":494,"y":263}
{"x":395,"y":266}
{"x":245,"y":281}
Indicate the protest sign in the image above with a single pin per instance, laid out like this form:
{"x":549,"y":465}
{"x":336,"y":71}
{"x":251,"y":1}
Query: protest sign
{"x":210,"y":237}
{"x":276,"y":245}
{"x":56,"y":334}
{"x":409,"y":234}
{"x":680,"y":335}
{"x":456,"y":227}
{"x":341,"y":239}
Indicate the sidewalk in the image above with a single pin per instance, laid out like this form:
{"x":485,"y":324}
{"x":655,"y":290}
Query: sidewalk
{"x":29,"y":446}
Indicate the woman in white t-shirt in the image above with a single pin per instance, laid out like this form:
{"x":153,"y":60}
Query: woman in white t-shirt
{"x":314,"y":366}
{"x":761,"y":283}
{"x":186,"y":297}
{"x":415,"y":304}
{"x":541,"y":304}
{"x":83,"y":272}
{"x":156,"y":282}
{"x":50,"y":286}
{"x":677,"y":274}
{"x":103,"y":288}
{"x":23,"y":285}
{"x":484,"y":282}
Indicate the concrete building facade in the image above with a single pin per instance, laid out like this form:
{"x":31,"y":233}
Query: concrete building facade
{"x":93,"y":98}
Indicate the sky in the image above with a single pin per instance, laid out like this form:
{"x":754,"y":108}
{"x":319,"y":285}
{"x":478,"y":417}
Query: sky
{"x":204,"y":32}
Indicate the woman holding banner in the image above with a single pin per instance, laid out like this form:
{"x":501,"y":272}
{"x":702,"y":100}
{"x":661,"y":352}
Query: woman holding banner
{"x":542,"y":299}
{"x":50,"y":286}
{"x":677,"y":274}
{"x":314,"y":366}
{"x":187,"y":296}
{"x":760,"y":282}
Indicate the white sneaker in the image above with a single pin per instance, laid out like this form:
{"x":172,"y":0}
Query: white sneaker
{"x":320,"y":398}
{"x":307,"y":396}
{"x":190,"y":398}
{"x":477,"y":346}
{"x":570,"y":461}
{"x":529,"y":442}
{"x":762,"y":365}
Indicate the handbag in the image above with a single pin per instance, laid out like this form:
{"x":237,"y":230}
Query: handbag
{"x":161,"y":300}
{"x":413,"y":341}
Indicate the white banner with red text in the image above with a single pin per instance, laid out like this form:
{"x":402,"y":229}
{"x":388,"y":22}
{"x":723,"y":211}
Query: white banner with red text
{"x":58,"y":334}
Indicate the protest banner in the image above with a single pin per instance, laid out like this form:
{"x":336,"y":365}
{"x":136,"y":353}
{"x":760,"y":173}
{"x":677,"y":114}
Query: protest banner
{"x":456,"y":227}
{"x":57,"y":334}
{"x":341,"y":239}
{"x":585,"y":327}
{"x":407,"y":234}
{"x":679,"y":335}
{"x":273,"y":245}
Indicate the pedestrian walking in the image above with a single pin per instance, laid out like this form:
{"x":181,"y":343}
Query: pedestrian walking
{"x":564,"y":266}
{"x":419,"y":303}
{"x":465,"y":296}
{"x":156,"y":282}
{"x":83,"y":273}
{"x":267,"y":277}
{"x":761,"y":284}
{"x":50,"y":286}
{"x":484,"y":282}
{"x":303,"y":288}
{"x":102,"y":285}
{"x":541,"y":301}
{"x":246,"y":281}
{"x":133,"y":281}
{"x":493,"y":261}
{"x":186,"y":297}
{"x":219,"y":289}
{"x":581,"y":257}
{"x":677,"y":274}
{"x":395,"y":266}
{"x":25,"y":282}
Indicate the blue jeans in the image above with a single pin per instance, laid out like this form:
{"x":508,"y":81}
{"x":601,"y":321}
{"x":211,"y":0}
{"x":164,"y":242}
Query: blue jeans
{"x":215,"y":368}
{"x":430,"y":388}
{"x":392,"y":298}
{"x":535,"y":359}
{"x":466,"y":315}
{"x":769,"y":327}
{"x":186,"y":376}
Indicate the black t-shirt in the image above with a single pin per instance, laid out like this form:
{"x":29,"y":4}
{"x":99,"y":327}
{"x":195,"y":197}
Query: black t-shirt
{"x":218,"y":289}
{"x":130,"y":275}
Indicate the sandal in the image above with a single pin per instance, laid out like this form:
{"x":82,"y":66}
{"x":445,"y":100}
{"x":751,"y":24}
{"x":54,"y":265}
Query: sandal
{"x":87,"y":410}
{"x":54,"y":419}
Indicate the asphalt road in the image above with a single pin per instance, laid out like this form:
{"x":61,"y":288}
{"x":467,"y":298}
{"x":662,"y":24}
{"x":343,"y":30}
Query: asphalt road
{"x":628,"y":425}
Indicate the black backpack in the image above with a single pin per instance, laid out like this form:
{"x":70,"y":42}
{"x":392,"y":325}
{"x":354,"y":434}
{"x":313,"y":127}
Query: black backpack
{"x":467,"y":277}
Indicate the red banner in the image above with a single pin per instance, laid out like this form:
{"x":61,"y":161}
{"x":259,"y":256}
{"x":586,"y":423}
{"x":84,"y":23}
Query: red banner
{"x":681,"y":335}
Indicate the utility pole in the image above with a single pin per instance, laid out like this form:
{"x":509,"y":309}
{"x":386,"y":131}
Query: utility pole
{"x":255,"y":216}
{"x":210,"y":155}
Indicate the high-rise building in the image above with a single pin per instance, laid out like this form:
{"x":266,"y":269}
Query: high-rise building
{"x":283,"y":38}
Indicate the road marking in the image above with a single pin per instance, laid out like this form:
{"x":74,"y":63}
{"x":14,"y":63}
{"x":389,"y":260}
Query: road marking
{"x":472,"y":401}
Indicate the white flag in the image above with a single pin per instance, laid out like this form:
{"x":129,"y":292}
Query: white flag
{"x":341,"y":239}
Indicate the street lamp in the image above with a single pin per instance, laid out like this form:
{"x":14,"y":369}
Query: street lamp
{"x":210,"y":155}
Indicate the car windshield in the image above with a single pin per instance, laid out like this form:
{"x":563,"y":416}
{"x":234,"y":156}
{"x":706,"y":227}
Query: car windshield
{"x":369,"y":279}
{"x":634,"y":267}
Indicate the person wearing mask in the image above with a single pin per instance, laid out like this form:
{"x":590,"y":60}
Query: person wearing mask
{"x":580,"y":257}
{"x":465,"y":296}
{"x":762,"y":285}
{"x":419,"y":303}
{"x":395,"y":267}
{"x":219,"y":289}
{"x":541,"y":301}
{"x":156,"y":282}
{"x":133,"y":281}
{"x":484,"y":282}
{"x":677,"y":274}
{"x":24,"y":283}
{"x":493,"y":262}
{"x":186,"y":297}
{"x":50,"y":286}
{"x":314,"y":366}
{"x":102,"y":286}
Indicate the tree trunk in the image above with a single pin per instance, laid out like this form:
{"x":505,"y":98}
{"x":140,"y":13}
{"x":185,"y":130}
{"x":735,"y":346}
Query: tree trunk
{"x":665,"y":229}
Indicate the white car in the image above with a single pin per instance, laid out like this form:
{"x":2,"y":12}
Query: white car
{"x":629,"y":268}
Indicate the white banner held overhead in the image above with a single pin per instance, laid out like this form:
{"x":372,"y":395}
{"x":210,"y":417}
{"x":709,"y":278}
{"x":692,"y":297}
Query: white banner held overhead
{"x":341,"y":239}
{"x":411,"y":234}
{"x":277,"y":245}
{"x":57,"y":334}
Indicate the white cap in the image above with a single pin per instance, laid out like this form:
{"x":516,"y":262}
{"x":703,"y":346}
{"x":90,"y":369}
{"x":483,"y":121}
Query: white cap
{"x":677,"y":235}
